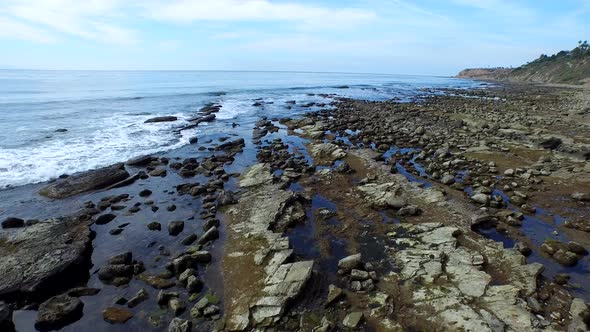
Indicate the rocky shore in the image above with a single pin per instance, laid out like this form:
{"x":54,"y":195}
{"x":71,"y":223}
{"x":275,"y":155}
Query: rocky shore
{"x":464,"y":210}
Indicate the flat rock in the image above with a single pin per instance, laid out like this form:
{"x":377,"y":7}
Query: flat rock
{"x":161,"y":119}
{"x":59,"y":311}
{"x":326,"y":153}
{"x":115,"y":315}
{"x":86,"y":181}
{"x":35,"y":256}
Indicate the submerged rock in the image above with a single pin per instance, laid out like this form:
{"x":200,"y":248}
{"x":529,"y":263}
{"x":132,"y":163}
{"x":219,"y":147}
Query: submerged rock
{"x":83,"y":182}
{"x":59,"y":311}
{"x":45,"y":253}
{"x":115,"y":315}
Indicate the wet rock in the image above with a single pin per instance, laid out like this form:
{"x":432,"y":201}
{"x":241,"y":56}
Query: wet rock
{"x":154,"y":226}
{"x":140,"y":161}
{"x":59,"y":311}
{"x":83,"y":291}
{"x":175,"y":227}
{"x":334,"y":294}
{"x":351,"y":262}
{"x":561,"y":278}
{"x":409,"y":211}
{"x":577,"y":248}
{"x":359,"y":275}
{"x":180,"y":325}
{"x":125,"y":258}
{"x":582,"y":197}
{"x":105,"y":219}
{"x":523,"y":248}
{"x":42,"y":255}
{"x":157,"y":282}
{"x":158,"y":172}
{"x":13,"y":223}
{"x":187,"y":241}
{"x":141,"y":296}
{"x":193,"y":284}
{"x":161,"y":119}
{"x":580,"y":314}
{"x":210,"y":235}
{"x":6,"y":323}
{"x":115,"y":315}
{"x":83,"y":182}
{"x":565,"y":258}
{"x":112,"y":272}
{"x":177,"y":306}
{"x":353,"y":319}
{"x":145,"y":193}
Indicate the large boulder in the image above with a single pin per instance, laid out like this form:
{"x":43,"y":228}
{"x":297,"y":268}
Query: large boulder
{"x":86,"y":181}
{"x":59,"y":311}
{"x":50,"y":252}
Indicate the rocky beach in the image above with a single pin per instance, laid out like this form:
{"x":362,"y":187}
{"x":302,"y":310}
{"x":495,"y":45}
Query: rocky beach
{"x":461,"y":210}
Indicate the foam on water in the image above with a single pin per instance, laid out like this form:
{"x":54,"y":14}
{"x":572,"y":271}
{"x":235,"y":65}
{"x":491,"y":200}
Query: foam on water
{"x":104,"y":112}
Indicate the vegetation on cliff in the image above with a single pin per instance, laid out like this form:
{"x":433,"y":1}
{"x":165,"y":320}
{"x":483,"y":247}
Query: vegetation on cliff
{"x":565,"y":67}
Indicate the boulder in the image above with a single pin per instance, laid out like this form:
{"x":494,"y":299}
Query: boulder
{"x":11,"y":222}
{"x":161,"y":119}
{"x":180,"y":325}
{"x":175,"y":227}
{"x":58,"y":312}
{"x":350,"y":262}
{"x":86,"y":181}
{"x":140,"y":161}
{"x":44,"y":255}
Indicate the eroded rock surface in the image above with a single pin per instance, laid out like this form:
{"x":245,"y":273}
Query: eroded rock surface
{"x":38,"y":255}
{"x":267,"y":254}
{"x":83,"y":182}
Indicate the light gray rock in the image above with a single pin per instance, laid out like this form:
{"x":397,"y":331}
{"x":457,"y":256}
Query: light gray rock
{"x":180,"y":325}
{"x":353,"y":319}
{"x":326,"y":153}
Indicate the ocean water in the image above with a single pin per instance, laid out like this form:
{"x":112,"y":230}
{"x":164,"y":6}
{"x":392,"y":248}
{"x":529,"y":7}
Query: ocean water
{"x":104,"y":111}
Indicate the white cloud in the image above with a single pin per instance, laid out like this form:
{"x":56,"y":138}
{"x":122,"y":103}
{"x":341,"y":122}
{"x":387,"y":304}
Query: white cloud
{"x":86,"y":19}
{"x":11,"y":29}
{"x":254,"y":10}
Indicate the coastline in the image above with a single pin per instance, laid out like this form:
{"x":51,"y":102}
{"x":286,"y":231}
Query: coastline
{"x":406,"y":140}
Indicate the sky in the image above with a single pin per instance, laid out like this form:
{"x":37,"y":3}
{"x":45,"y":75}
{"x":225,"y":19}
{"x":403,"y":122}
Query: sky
{"x":422,"y":37}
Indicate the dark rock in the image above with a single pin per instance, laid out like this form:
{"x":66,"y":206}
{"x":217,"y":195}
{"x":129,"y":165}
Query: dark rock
{"x":145,"y":193}
{"x":551,"y":143}
{"x":187,"y":241}
{"x":6,"y":323}
{"x":83,"y":182}
{"x":175,"y":227}
{"x":161,"y":119}
{"x":104,"y":219}
{"x":154,"y":226}
{"x":125,"y":258}
{"x":58,"y":312}
{"x":36,"y":257}
{"x":210,"y":235}
{"x":83,"y":291}
{"x":11,"y":222}
{"x":61,"y":130}
{"x":141,"y":296}
{"x":112,"y":272}
{"x":140,"y":161}
{"x":116,"y":231}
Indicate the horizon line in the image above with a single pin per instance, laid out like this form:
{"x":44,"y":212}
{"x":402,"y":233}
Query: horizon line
{"x":225,"y":70}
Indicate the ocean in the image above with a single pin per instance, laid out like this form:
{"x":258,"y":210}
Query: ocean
{"x":63,"y":122}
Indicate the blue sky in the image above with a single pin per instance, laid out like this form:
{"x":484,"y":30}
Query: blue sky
{"x":430,"y":37}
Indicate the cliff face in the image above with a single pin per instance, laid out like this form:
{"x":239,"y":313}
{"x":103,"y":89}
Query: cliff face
{"x":565,"y":67}
{"x":485,"y":73}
